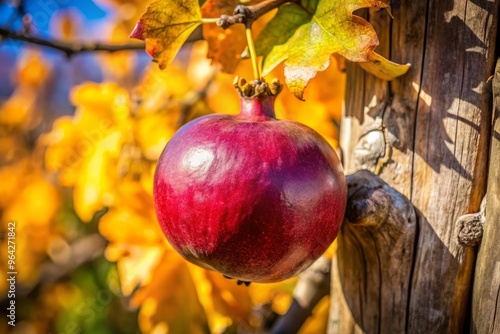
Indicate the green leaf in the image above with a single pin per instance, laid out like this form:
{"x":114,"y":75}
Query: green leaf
{"x":306,"y":34}
{"x":165,"y":27}
{"x":281,"y":27}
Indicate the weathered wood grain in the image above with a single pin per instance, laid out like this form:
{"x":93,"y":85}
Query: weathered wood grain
{"x":375,"y":257}
{"x":486,"y":293}
{"x":438,"y":121}
{"x":451,"y":141}
{"x":407,"y":46}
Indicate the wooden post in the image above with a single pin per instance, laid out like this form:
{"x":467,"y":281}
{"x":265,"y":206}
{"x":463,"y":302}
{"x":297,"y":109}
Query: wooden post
{"x":379,"y":232}
{"x":436,"y":120}
{"x":486,"y":294}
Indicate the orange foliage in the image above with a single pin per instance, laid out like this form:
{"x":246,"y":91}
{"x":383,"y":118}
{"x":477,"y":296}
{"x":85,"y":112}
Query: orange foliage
{"x":27,"y":198}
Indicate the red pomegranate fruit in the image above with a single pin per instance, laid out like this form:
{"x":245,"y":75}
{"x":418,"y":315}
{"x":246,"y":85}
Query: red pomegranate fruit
{"x":252,"y":197}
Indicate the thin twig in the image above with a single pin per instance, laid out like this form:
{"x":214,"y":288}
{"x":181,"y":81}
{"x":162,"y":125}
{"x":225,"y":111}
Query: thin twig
{"x":248,"y":14}
{"x":70,"y":48}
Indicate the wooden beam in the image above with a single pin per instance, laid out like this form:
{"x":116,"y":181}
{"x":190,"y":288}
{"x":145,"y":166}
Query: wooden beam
{"x":486,"y":294}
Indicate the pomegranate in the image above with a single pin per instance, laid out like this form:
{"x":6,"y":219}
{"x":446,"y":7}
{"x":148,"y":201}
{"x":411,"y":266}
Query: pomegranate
{"x":252,"y":197}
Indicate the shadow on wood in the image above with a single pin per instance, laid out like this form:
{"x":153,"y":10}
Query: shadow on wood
{"x":486,"y":296}
{"x":373,"y":273}
{"x":438,"y":120}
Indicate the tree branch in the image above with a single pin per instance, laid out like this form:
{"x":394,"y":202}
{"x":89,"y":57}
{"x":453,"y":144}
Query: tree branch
{"x":248,"y":14}
{"x":70,"y":48}
{"x":242,"y":14}
{"x":312,"y":286}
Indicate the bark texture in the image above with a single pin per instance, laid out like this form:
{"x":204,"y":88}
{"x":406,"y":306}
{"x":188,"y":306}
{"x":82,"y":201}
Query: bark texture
{"x":414,"y":276}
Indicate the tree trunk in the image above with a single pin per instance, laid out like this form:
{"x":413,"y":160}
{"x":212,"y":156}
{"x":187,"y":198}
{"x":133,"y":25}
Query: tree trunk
{"x":414,"y":276}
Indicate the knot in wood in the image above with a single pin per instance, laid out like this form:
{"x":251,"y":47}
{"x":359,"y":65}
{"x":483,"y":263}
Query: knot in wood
{"x":370,"y":147}
{"x":368,"y":206}
{"x":471,"y":227}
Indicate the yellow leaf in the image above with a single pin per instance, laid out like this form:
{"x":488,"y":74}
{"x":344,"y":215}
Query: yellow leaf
{"x":95,"y":182}
{"x":169,"y":304}
{"x":305,"y":41}
{"x":100,"y":106}
{"x":136,"y":264}
{"x":383,"y":68}
{"x":33,"y":208}
{"x":165,"y":27}
{"x":86,"y":147}
{"x":153,"y":133}
{"x":135,"y":239}
{"x":132,"y":220}
{"x":224,"y":301}
{"x":63,"y":153}
{"x":40,"y":197}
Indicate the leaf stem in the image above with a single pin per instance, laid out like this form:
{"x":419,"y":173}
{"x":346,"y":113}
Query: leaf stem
{"x":209,"y":20}
{"x":253,"y":54}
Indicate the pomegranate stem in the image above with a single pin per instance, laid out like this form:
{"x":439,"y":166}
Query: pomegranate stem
{"x":253,"y":54}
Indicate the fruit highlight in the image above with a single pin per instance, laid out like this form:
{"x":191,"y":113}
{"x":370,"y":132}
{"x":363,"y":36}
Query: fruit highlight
{"x":252,"y":197}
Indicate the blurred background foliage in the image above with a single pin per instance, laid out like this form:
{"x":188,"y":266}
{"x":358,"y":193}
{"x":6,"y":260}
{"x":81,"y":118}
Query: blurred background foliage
{"x":79,"y":140}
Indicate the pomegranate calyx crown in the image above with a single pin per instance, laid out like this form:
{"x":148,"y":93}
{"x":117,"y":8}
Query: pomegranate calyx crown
{"x":257,"y":88}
